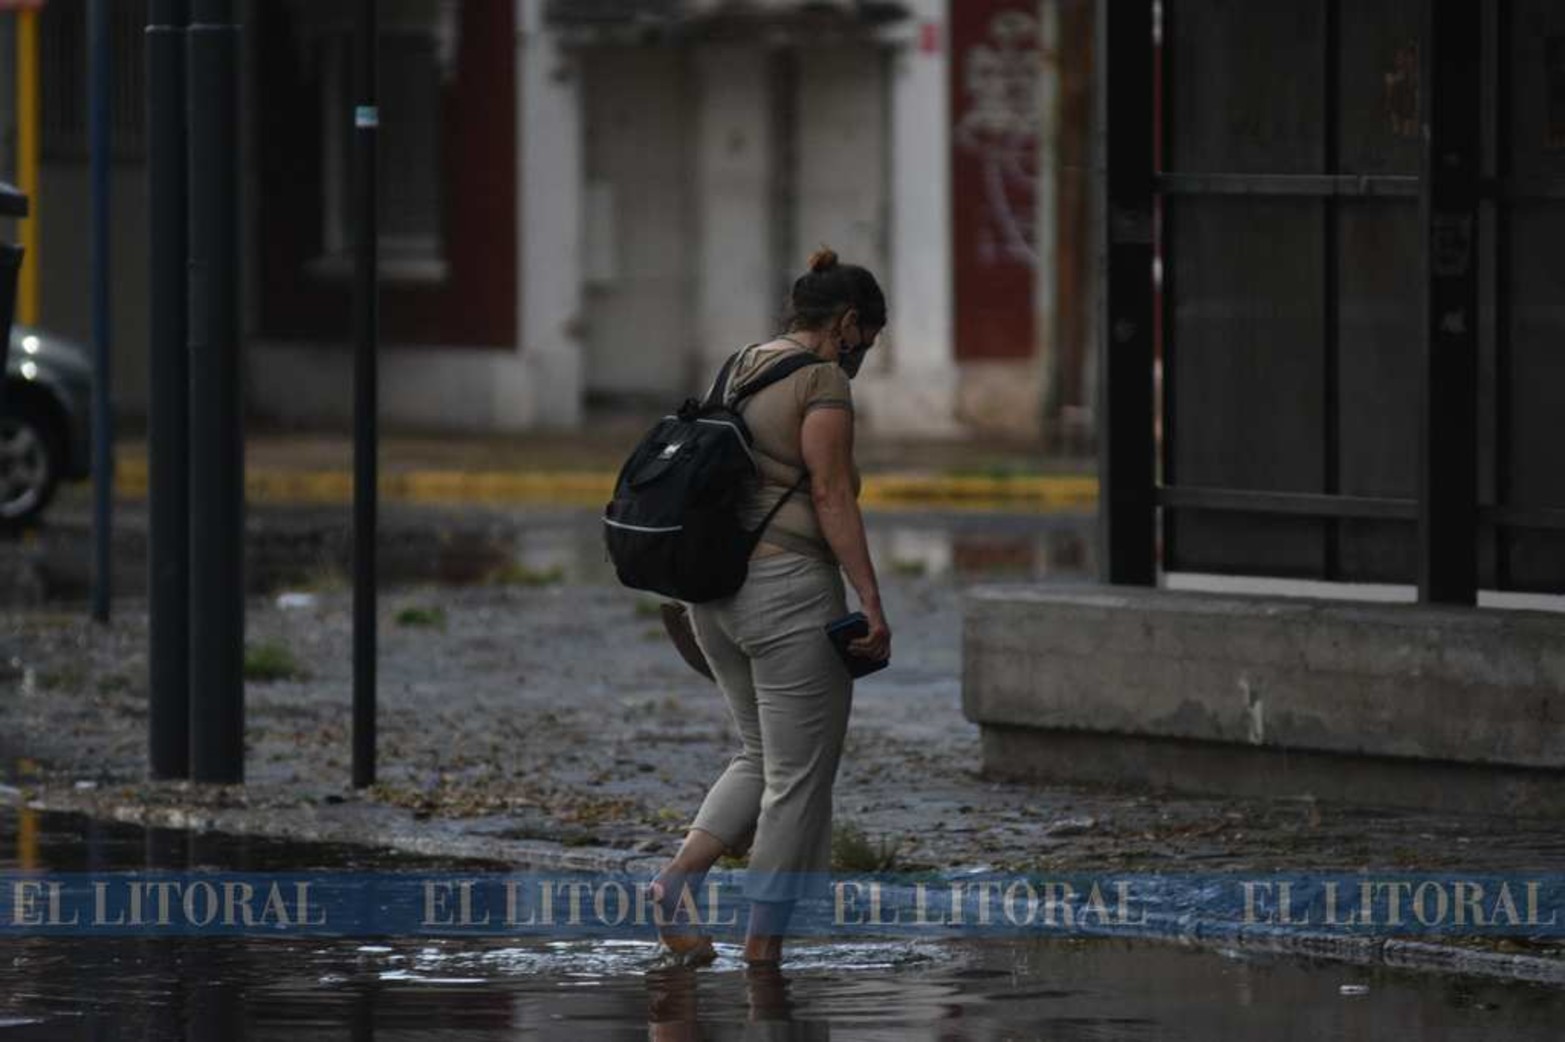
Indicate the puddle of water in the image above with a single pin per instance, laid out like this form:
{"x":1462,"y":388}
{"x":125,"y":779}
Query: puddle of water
{"x":305,"y":549}
{"x":199,"y":989}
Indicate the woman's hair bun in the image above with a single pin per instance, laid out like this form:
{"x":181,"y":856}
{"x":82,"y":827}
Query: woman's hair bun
{"x":823,"y":259}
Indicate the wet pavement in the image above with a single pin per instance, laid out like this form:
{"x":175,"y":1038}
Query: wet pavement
{"x":532,"y":710}
{"x":307,"y":547}
{"x":200,"y":989}
{"x":528,"y":703}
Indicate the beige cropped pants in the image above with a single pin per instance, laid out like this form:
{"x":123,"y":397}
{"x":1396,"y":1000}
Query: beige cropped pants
{"x":789,"y":696}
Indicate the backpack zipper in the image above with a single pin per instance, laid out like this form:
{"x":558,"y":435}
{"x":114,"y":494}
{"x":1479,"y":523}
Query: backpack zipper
{"x":642,"y":528}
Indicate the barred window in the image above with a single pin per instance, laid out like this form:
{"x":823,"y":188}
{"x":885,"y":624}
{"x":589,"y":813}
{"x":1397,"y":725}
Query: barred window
{"x":410,"y":155}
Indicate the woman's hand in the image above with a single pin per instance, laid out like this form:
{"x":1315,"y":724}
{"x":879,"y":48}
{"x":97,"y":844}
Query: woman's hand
{"x":876,"y":645}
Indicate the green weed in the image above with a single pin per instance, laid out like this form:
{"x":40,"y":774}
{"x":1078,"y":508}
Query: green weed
{"x":514,"y":573}
{"x":113,"y":683}
{"x":853,"y":851}
{"x":420,"y":615}
{"x":62,"y":679}
{"x":269,"y":661}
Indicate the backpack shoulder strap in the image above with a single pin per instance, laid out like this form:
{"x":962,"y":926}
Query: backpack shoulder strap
{"x":719,"y":389}
{"x":779,"y":371}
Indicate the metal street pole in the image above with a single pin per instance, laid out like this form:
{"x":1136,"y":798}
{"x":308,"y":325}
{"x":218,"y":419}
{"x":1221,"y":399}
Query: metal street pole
{"x":168,"y":413}
{"x":217,"y":622}
{"x":366,"y":125}
{"x":100,"y":69}
{"x":1128,"y":507}
{"x":1450,"y":193}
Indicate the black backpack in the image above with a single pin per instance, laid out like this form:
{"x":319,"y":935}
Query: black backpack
{"x":673,"y":525}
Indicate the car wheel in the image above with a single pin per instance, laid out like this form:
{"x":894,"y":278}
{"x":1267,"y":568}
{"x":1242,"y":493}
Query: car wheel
{"x":30,"y":461}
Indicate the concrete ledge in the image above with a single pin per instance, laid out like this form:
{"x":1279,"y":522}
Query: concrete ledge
{"x":1177,"y":765}
{"x":1185,"y":683}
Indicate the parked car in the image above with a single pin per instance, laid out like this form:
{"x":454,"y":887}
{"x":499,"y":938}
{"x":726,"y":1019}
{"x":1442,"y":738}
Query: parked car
{"x":44,"y":422}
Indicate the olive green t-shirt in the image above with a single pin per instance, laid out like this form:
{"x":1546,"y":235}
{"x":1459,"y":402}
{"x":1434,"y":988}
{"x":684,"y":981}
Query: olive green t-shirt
{"x":775,"y":417}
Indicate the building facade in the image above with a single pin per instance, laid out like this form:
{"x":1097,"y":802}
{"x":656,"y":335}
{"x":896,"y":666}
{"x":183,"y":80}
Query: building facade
{"x":590,"y":202}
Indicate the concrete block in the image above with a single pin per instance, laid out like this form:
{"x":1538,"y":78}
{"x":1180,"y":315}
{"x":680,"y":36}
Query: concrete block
{"x":1406,"y":682}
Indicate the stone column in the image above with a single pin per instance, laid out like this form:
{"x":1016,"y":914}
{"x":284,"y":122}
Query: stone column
{"x":917,"y":394}
{"x":549,"y":169}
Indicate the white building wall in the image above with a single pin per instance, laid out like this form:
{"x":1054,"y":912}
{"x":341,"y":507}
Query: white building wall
{"x":840,"y":177}
{"x":735,"y":282}
{"x":438,"y":388}
{"x":872,"y":179}
{"x":915,"y":393}
{"x":639,"y":160}
{"x":842,"y":183}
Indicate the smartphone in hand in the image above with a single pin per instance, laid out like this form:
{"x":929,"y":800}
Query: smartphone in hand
{"x":846,"y":630}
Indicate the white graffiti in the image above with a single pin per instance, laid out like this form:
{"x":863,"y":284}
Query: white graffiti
{"x":1002,"y":108}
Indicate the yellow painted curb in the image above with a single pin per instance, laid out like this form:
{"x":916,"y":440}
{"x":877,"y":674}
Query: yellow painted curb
{"x":1051,"y":493}
{"x":1038,"y":492}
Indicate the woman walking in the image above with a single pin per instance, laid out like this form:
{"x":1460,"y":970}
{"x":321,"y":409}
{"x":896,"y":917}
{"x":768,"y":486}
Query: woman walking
{"x":788,"y":692}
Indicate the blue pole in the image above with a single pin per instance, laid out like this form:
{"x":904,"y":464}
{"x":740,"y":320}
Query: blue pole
{"x":102,"y":411}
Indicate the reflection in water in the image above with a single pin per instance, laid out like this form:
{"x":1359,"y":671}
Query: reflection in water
{"x":313,"y":552}
{"x":216,"y":1011}
{"x":674,"y":1011}
{"x":404,"y":989}
{"x":27,"y":838}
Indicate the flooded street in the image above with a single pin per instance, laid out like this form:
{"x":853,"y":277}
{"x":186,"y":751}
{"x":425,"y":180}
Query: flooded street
{"x":308,"y":547}
{"x":487,"y":617}
{"x":413,"y":989}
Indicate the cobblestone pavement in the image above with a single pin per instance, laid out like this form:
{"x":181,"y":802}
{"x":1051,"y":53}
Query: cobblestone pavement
{"x":541,"y":703}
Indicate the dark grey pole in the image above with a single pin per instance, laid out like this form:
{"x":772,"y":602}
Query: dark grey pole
{"x":1448,"y":442}
{"x":366,"y":124}
{"x":100,"y":69}
{"x":168,"y":413}
{"x":1127,"y":504}
{"x":217,"y":625}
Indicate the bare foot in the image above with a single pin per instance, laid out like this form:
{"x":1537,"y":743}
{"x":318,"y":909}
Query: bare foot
{"x":685,"y":947}
{"x":763,"y":951}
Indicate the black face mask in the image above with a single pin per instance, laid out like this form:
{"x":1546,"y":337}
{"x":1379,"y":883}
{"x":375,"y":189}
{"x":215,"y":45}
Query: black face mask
{"x":852,"y":358}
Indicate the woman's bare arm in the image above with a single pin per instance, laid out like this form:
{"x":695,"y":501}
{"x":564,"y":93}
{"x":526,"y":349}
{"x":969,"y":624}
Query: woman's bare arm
{"x":826,"y":440}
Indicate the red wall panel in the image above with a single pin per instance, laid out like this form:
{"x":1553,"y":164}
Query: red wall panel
{"x":995,"y":66}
